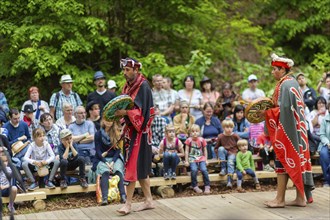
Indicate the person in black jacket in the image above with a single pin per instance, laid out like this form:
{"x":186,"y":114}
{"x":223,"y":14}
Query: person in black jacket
{"x":308,"y":92}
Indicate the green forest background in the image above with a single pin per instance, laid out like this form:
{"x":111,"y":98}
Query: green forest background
{"x":225,"y":40}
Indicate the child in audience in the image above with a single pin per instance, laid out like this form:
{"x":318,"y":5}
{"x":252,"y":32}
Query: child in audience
{"x":241,"y":123}
{"x":5,"y":184}
{"x":70,"y":159}
{"x":196,"y":158}
{"x":266,"y":151}
{"x":226,"y":149}
{"x":245,"y":165}
{"x":170,"y":149}
{"x":39,"y":154}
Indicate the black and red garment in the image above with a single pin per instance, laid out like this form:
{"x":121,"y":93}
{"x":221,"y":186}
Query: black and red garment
{"x":137,"y":130}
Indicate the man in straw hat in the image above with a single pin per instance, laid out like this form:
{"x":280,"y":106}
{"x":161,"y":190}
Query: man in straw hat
{"x":287,"y":130}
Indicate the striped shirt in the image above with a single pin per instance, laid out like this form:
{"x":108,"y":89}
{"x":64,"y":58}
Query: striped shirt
{"x":73,"y":98}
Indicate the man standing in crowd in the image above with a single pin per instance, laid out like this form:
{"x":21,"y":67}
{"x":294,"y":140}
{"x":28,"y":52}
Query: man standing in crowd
{"x":101,"y":96}
{"x":309,"y":93}
{"x":252,"y":92}
{"x":112,"y":86}
{"x":162,"y":98}
{"x":65,"y":95}
{"x":3,"y":103}
{"x":137,"y":133}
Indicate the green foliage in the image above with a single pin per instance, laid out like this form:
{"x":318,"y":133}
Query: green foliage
{"x":225,"y":40}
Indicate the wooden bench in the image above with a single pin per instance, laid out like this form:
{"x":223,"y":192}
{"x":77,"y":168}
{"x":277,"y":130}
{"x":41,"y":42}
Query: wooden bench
{"x":37,"y":197}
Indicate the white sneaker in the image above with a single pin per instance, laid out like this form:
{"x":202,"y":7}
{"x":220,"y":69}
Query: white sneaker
{"x":268,"y":168}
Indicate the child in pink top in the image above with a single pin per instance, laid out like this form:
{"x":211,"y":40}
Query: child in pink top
{"x":196,"y":158}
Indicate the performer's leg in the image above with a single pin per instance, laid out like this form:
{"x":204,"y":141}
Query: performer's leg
{"x":148,"y":204}
{"x":299,"y":201}
{"x":279,"y":201}
{"x":126,"y":209}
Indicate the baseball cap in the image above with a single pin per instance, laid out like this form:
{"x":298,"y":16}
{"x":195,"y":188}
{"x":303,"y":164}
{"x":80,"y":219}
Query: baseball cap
{"x":66,"y":79}
{"x":64,"y":133}
{"x":252,"y":77}
{"x":300,"y":74}
{"x":111,"y":84}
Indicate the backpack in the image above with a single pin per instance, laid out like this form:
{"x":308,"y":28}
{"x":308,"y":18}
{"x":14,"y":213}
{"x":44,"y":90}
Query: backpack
{"x":57,"y":100}
{"x":176,"y":144}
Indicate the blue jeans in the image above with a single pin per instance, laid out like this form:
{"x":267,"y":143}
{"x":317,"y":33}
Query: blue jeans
{"x":231,"y":159}
{"x":170,"y":161}
{"x":194,"y":171}
{"x":86,"y":154}
{"x":210,"y":151}
{"x":325,"y":163}
{"x":248,"y":171}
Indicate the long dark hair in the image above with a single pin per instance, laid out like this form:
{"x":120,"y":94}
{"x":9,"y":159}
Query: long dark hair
{"x":238,"y":108}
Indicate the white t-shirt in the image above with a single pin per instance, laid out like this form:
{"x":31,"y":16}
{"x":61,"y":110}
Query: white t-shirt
{"x":325,"y":92}
{"x":249,"y":94}
{"x":196,"y":99}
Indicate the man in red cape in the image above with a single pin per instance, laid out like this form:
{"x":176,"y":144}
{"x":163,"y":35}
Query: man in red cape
{"x":137,"y":134}
{"x":287,"y":130}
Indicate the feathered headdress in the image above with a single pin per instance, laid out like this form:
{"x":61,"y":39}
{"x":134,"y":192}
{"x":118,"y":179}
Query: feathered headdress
{"x":281,"y":61}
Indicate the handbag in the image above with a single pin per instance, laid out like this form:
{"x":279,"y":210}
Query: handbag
{"x":43,"y":171}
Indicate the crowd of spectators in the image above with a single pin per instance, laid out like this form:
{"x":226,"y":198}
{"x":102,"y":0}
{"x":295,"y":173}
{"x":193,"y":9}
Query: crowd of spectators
{"x":64,"y":134}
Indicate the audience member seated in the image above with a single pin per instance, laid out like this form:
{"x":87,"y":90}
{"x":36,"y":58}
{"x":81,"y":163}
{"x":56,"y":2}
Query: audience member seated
{"x":192,"y":96}
{"x":309,"y":93}
{"x":39,"y":106}
{"x":183,"y":121}
{"x":3,"y":102}
{"x":208,"y":91}
{"x":224,"y":104}
{"x":6,"y":190}
{"x":52,"y":132}
{"x":196,"y":158}
{"x":242,"y":125}
{"x":5,"y":144}
{"x":324,"y":148}
{"x":108,"y":159}
{"x":255,"y":130}
{"x":171,"y":150}
{"x":245,"y":165}
{"x":83,"y":132}
{"x":93,"y":114}
{"x":67,"y":118}
{"x":324,"y":91}
{"x":29,"y":118}
{"x":3,"y":120}
{"x":18,"y":132}
{"x":316,"y":117}
{"x":162,"y":98}
{"x":158,"y":133}
{"x":39,"y":155}
{"x":252,"y":92}
{"x":226,"y":149}
{"x":210,"y":128}
{"x":70,"y":160}
{"x":266,"y":151}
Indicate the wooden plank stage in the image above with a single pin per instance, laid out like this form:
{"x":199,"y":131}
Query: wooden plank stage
{"x":223,"y":206}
